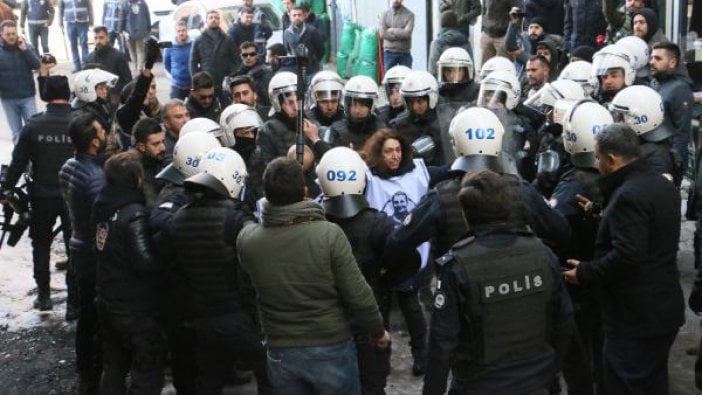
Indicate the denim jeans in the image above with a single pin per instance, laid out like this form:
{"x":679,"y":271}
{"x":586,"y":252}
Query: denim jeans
{"x":37,"y":32}
{"x":322,"y":370}
{"x":78,"y":34}
{"x":394,"y":58}
{"x":18,"y":112}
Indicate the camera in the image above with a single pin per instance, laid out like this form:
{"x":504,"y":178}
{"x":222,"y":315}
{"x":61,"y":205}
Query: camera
{"x":287,"y":61}
{"x":165,"y":44}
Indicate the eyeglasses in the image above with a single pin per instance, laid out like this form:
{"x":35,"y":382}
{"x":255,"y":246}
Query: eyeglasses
{"x":248,"y":54}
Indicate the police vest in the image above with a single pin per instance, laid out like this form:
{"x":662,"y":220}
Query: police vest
{"x":49,"y":149}
{"x":112,"y":16}
{"x":37,"y":12}
{"x":75,"y":11}
{"x":508,"y":299}
{"x":207,"y":261}
{"x":398,"y":196}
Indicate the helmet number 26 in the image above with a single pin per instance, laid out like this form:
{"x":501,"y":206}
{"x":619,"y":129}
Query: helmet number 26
{"x":480,"y":134}
{"x":341,"y":175}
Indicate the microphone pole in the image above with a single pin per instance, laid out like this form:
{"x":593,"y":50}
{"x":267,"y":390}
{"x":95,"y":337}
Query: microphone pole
{"x":301,"y":60}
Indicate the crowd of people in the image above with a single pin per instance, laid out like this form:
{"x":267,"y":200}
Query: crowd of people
{"x":529,"y":206}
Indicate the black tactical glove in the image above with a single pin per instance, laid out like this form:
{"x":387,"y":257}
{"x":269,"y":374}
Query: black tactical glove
{"x":152,"y":52}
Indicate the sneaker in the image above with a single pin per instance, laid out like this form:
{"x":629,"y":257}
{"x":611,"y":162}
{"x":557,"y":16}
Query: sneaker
{"x":43,"y":303}
{"x":72,"y":312}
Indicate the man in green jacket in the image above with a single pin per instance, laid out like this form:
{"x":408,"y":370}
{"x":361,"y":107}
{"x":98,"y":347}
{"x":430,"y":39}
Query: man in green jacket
{"x":309,"y":288}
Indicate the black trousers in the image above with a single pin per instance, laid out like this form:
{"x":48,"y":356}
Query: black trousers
{"x":134,"y":344}
{"x":373,"y":367}
{"x":414,"y":318}
{"x":223,"y":340}
{"x":88,"y":356}
{"x":44,"y":215}
{"x":636,"y":365}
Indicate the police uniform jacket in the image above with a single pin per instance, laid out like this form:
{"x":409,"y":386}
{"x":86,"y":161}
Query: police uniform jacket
{"x":347,"y":132}
{"x":387,"y":113}
{"x":129,"y":276}
{"x":45,"y":142}
{"x":201,"y":238}
{"x":489,"y":281}
{"x":317,"y":116}
{"x":414,"y":127}
{"x":38,"y":13}
{"x":439,"y":216}
{"x":634,"y":271}
{"x":81,"y":179}
{"x":381,"y":266}
{"x":276,"y":136}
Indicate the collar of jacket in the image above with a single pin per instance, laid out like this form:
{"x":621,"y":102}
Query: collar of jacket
{"x":386,"y":173}
{"x":111,"y":198}
{"x":612,"y":181}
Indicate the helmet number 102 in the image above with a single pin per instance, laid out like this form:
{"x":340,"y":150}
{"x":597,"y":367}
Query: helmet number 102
{"x":341,"y":175}
{"x":480,"y":134}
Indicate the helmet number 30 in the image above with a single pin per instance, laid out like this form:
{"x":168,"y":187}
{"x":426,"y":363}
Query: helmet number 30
{"x":480,"y":134}
{"x":341,"y":175}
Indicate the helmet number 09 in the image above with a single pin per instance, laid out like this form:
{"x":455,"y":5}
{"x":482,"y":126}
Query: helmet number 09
{"x":480,"y":134}
{"x":341,"y":175}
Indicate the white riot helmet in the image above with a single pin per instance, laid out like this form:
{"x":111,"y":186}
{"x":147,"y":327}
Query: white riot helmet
{"x":580,"y":71}
{"x":420,"y":83}
{"x":326,"y":85}
{"x":394,"y":77}
{"x":283,"y":82}
{"x":500,"y":81}
{"x":361,"y":88}
{"x":638,"y":50}
{"x":497,"y":63}
{"x":641,"y":108}
{"x":189,"y":149}
{"x":86,"y":81}
{"x":222,"y":170}
{"x":237,"y":116}
{"x":546,"y":97}
{"x":205,"y":125}
{"x":476,"y":136}
{"x":584,"y":121}
{"x":455,"y":58}
{"x":342,"y":176}
{"x":613,"y":57}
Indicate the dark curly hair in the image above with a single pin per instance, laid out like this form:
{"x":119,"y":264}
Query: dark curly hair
{"x":372,"y":151}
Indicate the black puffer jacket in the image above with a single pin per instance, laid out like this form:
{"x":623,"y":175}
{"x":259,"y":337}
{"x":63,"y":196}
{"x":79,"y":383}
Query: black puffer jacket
{"x":81,"y":180}
{"x":128,"y":274}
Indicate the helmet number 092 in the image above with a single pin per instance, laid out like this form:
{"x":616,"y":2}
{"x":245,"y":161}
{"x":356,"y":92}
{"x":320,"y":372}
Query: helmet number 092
{"x":480,"y":134}
{"x":341,"y":175}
